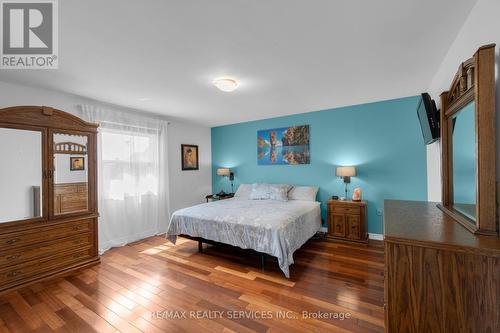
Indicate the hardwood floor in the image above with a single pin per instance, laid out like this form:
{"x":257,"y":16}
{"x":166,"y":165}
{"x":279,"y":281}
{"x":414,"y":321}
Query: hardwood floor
{"x":137,"y":287}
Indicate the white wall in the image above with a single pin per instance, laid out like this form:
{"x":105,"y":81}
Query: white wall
{"x":481,"y":27}
{"x":186,"y":187}
{"x":189,"y":187}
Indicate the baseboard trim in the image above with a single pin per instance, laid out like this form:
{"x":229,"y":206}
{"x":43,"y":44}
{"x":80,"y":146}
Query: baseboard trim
{"x":379,"y":237}
{"x":376,"y":236}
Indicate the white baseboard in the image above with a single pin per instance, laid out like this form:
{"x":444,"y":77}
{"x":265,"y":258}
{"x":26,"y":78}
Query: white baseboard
{"x":376,"y":236}
{"x":370,"y":235}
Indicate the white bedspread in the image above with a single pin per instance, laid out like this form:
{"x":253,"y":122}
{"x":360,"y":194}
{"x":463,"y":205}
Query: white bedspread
{"x":273,"y":227}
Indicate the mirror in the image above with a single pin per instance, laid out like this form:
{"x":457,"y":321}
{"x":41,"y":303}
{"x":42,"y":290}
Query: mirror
{"x":20,"y":174}
{"x":468,"y":145}
{"x":70,"y":173}
{"x":464,"y":161}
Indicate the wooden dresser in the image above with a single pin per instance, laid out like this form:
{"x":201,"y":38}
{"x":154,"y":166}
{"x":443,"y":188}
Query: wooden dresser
{"x":439,"y":277}
{"x":45,"y":231}
{"x":347,"y":220}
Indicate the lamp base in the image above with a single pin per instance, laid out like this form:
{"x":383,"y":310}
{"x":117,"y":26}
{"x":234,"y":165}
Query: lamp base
{"x":221,"y":193}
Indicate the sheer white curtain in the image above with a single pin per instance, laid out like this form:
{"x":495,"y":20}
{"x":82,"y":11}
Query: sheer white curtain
{"x":133,"y":176}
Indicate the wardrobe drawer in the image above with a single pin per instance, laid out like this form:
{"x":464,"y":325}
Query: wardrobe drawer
{"x":34,"y":267}
{"x":347,"y":209}
{"x":44,"y":234}
{"x":41,"y":250}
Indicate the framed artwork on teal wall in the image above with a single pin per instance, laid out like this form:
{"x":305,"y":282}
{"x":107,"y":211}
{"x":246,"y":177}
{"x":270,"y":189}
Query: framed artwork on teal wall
{"x":285,"y":145}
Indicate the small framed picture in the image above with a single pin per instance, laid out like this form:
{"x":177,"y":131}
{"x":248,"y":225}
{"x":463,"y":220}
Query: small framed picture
{"x":189,"y":157}
{"x":77,"y":163}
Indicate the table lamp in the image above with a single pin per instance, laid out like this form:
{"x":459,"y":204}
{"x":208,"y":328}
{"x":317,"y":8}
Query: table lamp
{"x":346,"y":172}
{"x":225,"y":172}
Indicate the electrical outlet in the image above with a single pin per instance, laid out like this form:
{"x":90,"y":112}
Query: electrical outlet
{"x":379,"y":212}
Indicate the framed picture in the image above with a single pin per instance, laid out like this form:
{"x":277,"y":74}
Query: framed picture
{"x":285,"y":145}
{"x":189,"y":157}
{"x":77,"y":163}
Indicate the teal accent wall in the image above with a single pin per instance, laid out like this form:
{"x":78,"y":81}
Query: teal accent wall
{"x":383,"y":140}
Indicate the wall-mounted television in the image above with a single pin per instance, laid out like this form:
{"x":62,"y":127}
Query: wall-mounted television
{"x":428,"y":115}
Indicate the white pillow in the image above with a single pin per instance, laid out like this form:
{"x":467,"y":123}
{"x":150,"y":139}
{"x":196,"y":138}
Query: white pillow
{"x":305,"y":193}
{"x":279,"y":193}
{"x":259,"y":192}
{"x":270,"y":192}
{"x":244,"y":191}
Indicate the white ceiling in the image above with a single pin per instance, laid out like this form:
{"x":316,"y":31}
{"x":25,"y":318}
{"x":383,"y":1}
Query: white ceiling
{"x":289,"y":56}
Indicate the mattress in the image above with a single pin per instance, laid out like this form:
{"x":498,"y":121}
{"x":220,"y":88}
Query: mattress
{"x":273,"y":227}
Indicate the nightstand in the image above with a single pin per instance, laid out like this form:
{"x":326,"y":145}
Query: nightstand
{"x":215,"y":197}
{"x":347,"y":220}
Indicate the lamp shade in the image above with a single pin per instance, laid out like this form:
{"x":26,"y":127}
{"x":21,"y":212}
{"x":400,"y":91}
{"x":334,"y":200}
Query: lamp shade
{"x":345,"y":171}
{"x":223,"y":172}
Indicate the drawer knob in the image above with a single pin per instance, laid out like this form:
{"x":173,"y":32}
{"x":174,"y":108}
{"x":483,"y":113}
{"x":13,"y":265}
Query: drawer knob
{"x":12,"y":274}
{"x":77,"y":227}
{"x":13,"y":257}
{"x":12,"y":241}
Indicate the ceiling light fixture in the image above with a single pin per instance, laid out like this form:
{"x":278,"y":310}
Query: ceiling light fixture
{"x":225,"y":84}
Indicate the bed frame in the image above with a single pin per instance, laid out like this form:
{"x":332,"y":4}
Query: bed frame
{"x":200,"y":241}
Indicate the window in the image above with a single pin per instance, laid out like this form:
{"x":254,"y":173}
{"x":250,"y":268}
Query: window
{"x":130,"y":163}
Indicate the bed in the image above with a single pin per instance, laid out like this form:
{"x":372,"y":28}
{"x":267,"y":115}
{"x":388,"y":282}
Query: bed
{"x":272,"y":227}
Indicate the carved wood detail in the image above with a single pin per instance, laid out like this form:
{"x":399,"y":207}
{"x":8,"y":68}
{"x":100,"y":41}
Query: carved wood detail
{"x":70,"y":148}
{"x":45,"y":117}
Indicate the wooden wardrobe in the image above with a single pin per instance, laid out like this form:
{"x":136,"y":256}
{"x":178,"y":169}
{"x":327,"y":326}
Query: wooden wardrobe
{"x":48,"y":195}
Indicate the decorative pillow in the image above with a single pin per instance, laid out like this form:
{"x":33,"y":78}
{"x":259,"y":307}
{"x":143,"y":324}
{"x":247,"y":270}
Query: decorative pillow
{"x":244,"y":191}
{"x":279,"y":193}
{"x":259,"y":192}
{"x":270,"y":192}
{"x":305,"y":193}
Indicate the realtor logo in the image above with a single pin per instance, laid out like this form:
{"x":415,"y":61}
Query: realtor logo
{"x":29,"y":34}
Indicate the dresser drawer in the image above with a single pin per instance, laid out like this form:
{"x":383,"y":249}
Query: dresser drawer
{"x":44,"y":234}
{"x":346,"y":209}
{"x":34,"y":267}
{"x":41,"y":250}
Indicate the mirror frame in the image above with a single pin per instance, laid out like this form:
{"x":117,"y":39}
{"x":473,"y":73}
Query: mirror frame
{"x":474,"y":81}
